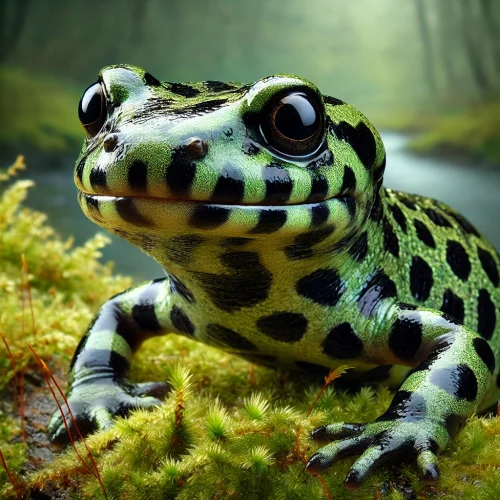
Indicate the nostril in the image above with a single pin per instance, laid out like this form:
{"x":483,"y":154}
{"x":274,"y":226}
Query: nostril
{"x":195,"y":148}
{"x":110,"y":143}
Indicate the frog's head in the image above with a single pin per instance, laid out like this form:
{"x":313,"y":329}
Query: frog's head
{"x":274,"y":161}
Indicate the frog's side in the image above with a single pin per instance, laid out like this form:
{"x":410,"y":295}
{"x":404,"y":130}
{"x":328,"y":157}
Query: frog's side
{"x":281,"y":245}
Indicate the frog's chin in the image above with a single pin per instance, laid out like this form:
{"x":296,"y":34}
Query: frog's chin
{"x":158,"y":215}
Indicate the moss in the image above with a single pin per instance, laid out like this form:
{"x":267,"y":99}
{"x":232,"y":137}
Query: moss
{"x":228,"y":429}
{"x":40,"y":109}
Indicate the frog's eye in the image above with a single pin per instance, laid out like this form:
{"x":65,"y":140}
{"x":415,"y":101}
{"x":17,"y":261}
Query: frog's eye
{"x":293,"y":124}
{"x":92,"y":109}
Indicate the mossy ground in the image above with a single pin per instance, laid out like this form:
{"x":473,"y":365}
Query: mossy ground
{"x":228,"y":429}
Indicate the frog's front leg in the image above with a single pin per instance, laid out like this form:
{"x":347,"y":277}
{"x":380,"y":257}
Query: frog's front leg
{"x":98,"y":388}
{"x":453,"y":368}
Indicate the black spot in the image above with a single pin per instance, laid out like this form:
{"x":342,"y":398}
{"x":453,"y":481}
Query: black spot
{"x":360,"y":138}
{"x":247,"y":283}
{"x":183,"y":90}
{"x":98,"y":179}
{"x":405,"y":337}
{"x":391,"y":242}
{"x":179,"y":288}
{"x":79,"y":169}
{"x":377,"y":374}
{"x":453,"y":305}
{"x":421,"y":278}
{"x":457,"y":380}
{"x":466,"y":225}
{"x":319,"y":189}
{"x":180,"y":321}
{"x":234,"y":242}
{"x":408,"y":203}
{"x":143,"y":311}
{"x":406,"y":406}
{"x":437,"y":217}
{"x":483,"y":350}
{"x":278,"y":183}
{"x":323,"y":286}
{"x":319,"y":214}
{"x":312,"y":368}
{"x":202,"y":107}
{"x":303,"y":243}
{"x":93,"y":206}
{"x":150,"y":80}
{"x":333,"y":101}
{"x":377,"y":288}
{"x":349,"y":203}
{"x":378,"y":172}
{"x":181,"y":172}
{"x":486,"y":314}
{"x":342,"y":343}
{"x":458,"y":260}
{"x":376,"y":208}
{"x":399,"y":216}
{"x":283,"y":326}
{"x":359,"y":249}
{"x":179,"y":249}
{"x":270,"y":220}
{"x":489,"y":265}
{"x":89,"y":359}
{"x":454,"y":424}
{"x":260,"y":359}
{"x":230,"y":187}
{"x":349,"y":181}
{"x":216,"y":86}
{"x":223,"y":337}
{"x":424,"y":234}
{"x":128,"y":211}
{"x":209,"y":216}
{"x":137,"y":175}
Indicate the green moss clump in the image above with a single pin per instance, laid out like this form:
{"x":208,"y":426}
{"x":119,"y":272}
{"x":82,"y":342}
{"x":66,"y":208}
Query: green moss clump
{"x":228,"y":429}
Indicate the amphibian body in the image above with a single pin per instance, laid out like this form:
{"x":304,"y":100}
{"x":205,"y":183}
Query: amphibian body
{"x":264,"y":204}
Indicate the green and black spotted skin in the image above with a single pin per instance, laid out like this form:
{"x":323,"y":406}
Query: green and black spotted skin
{"x":264,"y":204}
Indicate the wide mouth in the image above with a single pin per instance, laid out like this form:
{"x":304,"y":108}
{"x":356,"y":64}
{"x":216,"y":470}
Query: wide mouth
{"x":134,"y":213}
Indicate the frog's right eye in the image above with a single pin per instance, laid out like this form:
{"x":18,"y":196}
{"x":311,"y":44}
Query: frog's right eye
{"x":92,"y":109}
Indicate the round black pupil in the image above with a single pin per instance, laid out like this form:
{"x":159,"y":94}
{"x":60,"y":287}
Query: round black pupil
{"x":296,"y":118}
{"x":90,"y":104}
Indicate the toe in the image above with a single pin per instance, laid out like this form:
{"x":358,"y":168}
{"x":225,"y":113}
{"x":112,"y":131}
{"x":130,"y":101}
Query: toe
{"x":325,"y":456}
{"x":428,"y":464}
{"x":340,"y":430}
{"x":382,"y":450}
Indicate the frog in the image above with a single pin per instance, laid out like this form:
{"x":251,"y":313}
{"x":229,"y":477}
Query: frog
{"x":264,"y":204}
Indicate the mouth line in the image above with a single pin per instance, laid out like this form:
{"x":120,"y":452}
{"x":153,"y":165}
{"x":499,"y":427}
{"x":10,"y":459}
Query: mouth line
{"x":340,"y":197}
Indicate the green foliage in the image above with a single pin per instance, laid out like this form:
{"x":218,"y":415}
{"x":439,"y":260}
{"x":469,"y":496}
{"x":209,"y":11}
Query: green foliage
{"x":41,"y":111}
{"x":227,"y":429}
{"x":473,"y":133}
{"x":466,"y":134}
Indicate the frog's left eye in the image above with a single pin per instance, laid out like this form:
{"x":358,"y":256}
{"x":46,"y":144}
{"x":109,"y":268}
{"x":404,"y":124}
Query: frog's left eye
{"x":92,"y":109}
{"x":293,"y":124}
